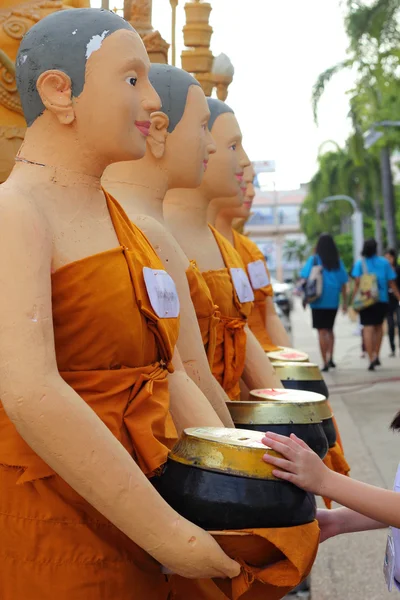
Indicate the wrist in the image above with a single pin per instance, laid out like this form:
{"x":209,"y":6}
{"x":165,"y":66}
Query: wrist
{"x":326,"y":483}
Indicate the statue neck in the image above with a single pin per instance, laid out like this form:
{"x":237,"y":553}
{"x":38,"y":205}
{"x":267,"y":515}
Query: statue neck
{"x":48,"y":143}
{"x":187,"y":209}
{"x":223,"y":224}
{"x":141,"y":190}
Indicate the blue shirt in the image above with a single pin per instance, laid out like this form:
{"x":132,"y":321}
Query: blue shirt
{"x":383,"y":271}
{"x":332,"y":283}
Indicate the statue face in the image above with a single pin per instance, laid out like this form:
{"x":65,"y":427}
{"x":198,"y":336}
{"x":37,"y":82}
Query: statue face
{"x":224,"y":175}
{"x":112,"y":114}
{"x":243,"y":211}
{"x":190,"y":145}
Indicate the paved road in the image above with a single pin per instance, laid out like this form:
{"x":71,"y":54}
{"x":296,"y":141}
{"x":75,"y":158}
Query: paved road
{"x":350,"y":567}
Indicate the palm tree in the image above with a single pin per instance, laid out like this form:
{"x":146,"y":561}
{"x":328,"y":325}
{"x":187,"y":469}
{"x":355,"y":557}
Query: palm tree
{"x":374,"y":42}
{"x":295,"y":250}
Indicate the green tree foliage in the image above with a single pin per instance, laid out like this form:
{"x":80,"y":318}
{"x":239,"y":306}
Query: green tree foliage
{"x":373,"y":28}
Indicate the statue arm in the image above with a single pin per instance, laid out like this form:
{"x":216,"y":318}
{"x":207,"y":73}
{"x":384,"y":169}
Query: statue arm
{"x":60,"y":427}
{"x":274,"y":325}
{"x":258,"y":371}
{"x":192,"y":355}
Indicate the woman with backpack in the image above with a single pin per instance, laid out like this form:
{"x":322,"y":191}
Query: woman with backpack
{"x":376,"y":291}
{"x":332,"y":282}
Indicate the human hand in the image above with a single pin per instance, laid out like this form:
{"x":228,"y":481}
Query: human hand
{"x":200,"y":558}
{"x":300,"y":465}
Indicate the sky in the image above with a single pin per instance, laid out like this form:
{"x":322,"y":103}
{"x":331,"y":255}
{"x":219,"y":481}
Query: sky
{"x":278,"y":48}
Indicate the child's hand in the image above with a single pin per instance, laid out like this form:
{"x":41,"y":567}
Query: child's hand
{"x":300,"y":464}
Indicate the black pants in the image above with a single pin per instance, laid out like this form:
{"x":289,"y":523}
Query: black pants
{"x":393,"y":320}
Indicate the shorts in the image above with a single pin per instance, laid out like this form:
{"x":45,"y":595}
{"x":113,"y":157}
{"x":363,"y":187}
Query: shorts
{"x":375,"y":314}
{"x":323,"y":318}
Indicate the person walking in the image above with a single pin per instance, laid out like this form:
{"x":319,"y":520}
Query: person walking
{"x":393,"y":316}
{"x":373,"y":316}
{"x":334,"y":283}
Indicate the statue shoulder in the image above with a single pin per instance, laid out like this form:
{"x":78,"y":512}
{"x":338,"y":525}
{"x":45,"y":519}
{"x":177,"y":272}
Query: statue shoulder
{"x":163,"y":242}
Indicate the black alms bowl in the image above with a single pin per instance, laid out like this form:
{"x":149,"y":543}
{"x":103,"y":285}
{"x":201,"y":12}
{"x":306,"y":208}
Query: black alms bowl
{"x":216,"y":478}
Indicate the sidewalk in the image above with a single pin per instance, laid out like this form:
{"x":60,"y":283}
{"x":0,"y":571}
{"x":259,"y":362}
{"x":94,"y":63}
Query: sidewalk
{"x":350,"y":567}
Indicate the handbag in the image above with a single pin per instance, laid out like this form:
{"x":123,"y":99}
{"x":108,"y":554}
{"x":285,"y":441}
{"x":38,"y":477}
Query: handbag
{"x":368,"y":291}
{"x":314,"y":285}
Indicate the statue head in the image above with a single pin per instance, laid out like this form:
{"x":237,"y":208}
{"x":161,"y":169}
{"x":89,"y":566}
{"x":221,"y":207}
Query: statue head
{"x":86,"y":72}
{"x":224,"y":175}
{"x":179,"y":138}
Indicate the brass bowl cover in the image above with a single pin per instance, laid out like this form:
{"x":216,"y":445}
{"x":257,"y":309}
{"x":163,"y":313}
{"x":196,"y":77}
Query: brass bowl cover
{"x":291,"y":403}
{"x":288,"y":355}
{"x":275,"y":413}
{"x":229,"y":451}
{"x":303,"y":371}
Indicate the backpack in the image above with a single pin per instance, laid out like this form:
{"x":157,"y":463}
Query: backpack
{"x":314,"y":284}
{"x":368,"y":292}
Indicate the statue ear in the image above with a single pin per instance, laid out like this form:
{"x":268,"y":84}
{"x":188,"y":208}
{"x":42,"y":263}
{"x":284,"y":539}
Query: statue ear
{"x":55,"y":91}
{"x":158,"y":133}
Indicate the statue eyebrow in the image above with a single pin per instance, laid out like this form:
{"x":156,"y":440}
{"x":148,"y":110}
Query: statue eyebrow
{"x":133,"y":63}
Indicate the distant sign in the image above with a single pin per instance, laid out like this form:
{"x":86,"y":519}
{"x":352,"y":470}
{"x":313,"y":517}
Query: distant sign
{"x":264,"y":166}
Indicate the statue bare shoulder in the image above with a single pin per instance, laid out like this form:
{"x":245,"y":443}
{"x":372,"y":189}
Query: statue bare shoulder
{"x":164,"y":243}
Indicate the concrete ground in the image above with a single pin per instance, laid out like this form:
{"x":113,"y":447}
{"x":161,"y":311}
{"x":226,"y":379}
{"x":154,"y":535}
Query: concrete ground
{"x":350,"y":567}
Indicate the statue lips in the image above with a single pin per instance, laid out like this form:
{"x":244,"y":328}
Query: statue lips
{"x":144,"y":127}
{"x":242,"y":184}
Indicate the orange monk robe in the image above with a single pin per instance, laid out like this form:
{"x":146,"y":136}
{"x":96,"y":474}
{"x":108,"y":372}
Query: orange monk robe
{"x":207,"y":312}
{"x":230,"y":350}
{"x":115,"y":352}
{"x":250,"y":253}
{"x":335,"y":459}
{"x":274,"y":561}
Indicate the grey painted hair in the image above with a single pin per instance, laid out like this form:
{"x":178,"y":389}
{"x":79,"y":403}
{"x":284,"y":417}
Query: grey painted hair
{"x":172,"y":85}
{"x":217,"y":108}
{"x":61,"y":41}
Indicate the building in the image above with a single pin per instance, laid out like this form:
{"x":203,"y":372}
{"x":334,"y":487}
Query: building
{"x":275,"y":219}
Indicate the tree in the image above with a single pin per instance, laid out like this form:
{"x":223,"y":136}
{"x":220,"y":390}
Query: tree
{"x":374,"y":34}
{"x":295,"y":250}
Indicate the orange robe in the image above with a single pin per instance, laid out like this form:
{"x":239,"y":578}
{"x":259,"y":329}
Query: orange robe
{"x":249,"y":252}
{"x":230,"y":350}
{"x":115,"y":352}
{"x":335,"y":460}
{"x":207,"y":312}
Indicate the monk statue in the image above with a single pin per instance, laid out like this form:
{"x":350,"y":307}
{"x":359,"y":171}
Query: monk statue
{"x":238,"y":353}
{"x":263,"y":320}
{"x":140,"y":187}
{"x":88,"y":330}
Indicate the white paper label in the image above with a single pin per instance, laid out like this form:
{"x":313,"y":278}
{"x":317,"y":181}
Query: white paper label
{"x":258,"y":274}
{"x":162,"y":293}
{"x":242,"y":285}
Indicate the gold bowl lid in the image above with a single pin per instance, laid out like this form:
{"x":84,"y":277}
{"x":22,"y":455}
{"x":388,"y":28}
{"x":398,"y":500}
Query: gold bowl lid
{"x":229,"y":451}
{"x":293,"y":402}
{"x":288,"y":355}
{"x":298,"y":371}
{"x":272,"y":412}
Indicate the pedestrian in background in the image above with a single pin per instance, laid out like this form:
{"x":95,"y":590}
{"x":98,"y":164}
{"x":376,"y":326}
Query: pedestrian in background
{"x":393,"y":316}
{"x":334,"y":283}
{"x":372,"y":317}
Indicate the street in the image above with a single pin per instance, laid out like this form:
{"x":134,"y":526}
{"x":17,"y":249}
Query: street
{"x":350,"y":567}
